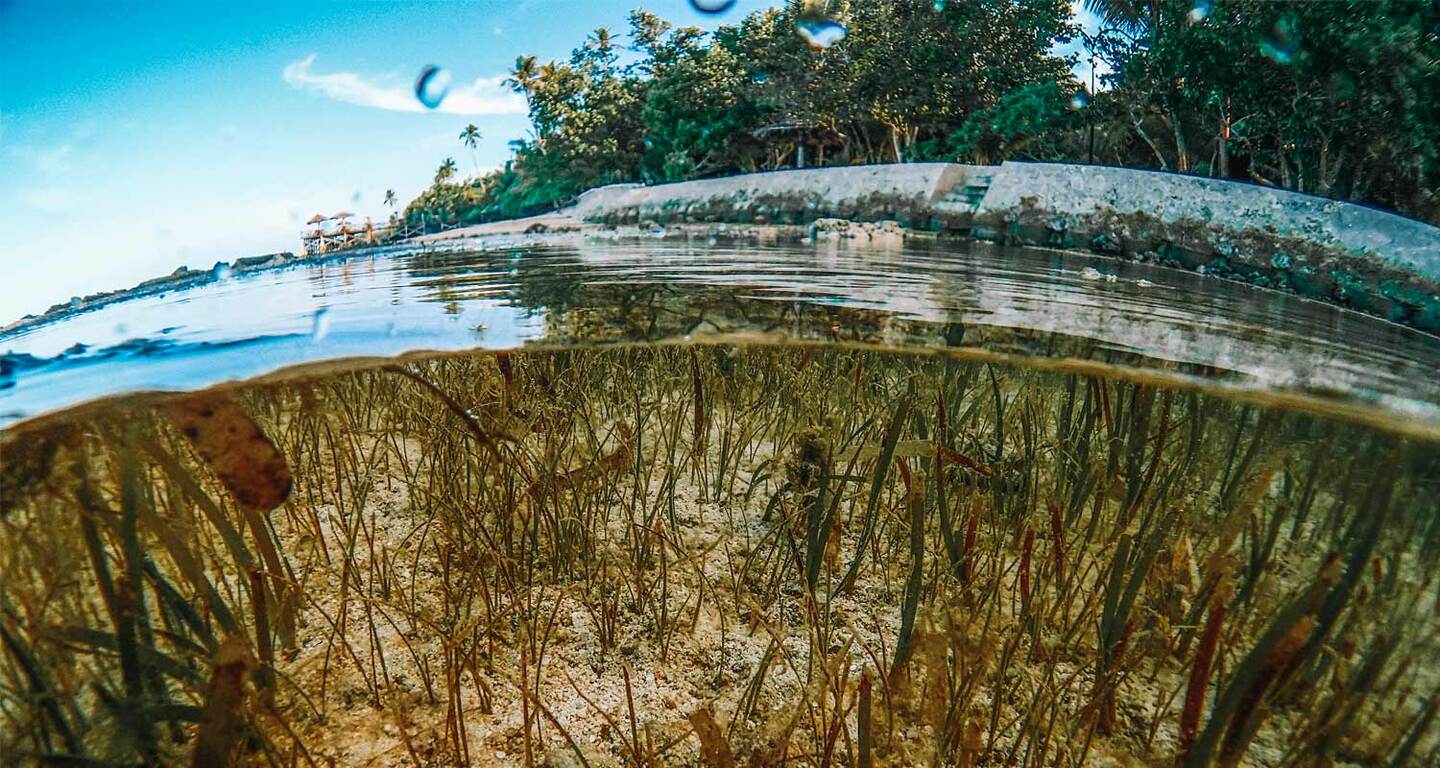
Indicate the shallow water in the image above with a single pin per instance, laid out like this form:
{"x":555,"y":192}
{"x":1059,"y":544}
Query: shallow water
{"x":1013,"y":300}
{"x":706,"y":499}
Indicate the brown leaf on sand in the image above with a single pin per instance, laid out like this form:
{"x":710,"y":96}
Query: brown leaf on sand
{"x":714,"y":749}
{"x":221,"y":723}
{"x":233,"y":446}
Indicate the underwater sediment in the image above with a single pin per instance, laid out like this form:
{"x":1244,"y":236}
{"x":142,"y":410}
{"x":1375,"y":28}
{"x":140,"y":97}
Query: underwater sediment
{"x":721,"y":553}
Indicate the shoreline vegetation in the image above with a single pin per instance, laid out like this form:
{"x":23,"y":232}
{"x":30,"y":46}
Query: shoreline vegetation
{"x":1333,"y":99}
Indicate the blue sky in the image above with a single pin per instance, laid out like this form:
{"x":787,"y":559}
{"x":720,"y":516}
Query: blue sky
{"x":138,"y":138}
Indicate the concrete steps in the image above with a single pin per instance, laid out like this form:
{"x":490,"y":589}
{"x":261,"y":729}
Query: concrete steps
{"x":966,"y":197}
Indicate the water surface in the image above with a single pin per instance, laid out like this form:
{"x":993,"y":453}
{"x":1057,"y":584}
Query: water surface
{"x":499,"y":294}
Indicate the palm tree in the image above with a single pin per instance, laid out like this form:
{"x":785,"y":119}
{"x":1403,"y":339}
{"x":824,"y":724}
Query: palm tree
{"x":602,"y":40}
{"x":471,"y":137}
{"x":1132,"y":16}
{"x":446,"y":171}
{"x":522,"y":78}
{"x":390,"y":198}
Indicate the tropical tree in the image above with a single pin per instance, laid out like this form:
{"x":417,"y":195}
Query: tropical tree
{"x":1331,"y":98}
{"x":1133,"y":16}
{"x":446,"y":171}
{"x":585,"y":114}
{"x":471,"y":138}
{"x":1335,"y":98}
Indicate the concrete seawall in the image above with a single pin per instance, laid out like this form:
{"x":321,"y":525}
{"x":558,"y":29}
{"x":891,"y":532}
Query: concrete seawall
{"x":913,"y":193}
{"x":1084,"y":191}
{"x":1347,"y":254}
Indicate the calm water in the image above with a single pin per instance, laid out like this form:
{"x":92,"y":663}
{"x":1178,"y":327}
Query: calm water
{"x":1012,"y":300}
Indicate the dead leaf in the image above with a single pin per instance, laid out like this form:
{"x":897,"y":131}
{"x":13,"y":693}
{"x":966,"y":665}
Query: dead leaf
{"x":714,"y":749}
{"x":235,"y":448}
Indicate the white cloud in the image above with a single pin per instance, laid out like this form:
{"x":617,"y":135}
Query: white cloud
{"x":484,"y":96}
{"x":52,"y":160}
{"x":49,"y":199}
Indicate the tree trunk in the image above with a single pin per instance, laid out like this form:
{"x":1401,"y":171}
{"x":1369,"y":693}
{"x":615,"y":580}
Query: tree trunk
{"x":1182,"y":150}
{"x":1225,"y":138}
{"x":1140,"y":129}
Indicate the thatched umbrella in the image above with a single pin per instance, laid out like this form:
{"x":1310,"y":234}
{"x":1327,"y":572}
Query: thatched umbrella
{"x":344,"y":225}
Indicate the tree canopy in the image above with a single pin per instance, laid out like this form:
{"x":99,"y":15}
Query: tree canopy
{"x":1335,"y":98}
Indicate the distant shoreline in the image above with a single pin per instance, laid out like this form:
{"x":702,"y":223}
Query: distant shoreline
{"x":1371,"y":261}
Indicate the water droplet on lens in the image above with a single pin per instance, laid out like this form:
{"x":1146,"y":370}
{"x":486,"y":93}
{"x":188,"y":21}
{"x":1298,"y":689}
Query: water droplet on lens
{"x":1079,"y":101}
{"x":1199,"y":11}
{"x":819,"y":31}
{"x":1283,"y":42}
{"x":432,"y":86}
{"x":320,"y":324}
{"x":712,"y":7}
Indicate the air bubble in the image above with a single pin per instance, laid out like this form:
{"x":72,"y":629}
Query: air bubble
{"x":712,"y":7}
{"x":1283,"y":43}
{"x":320,"y":324}
{"x":820,"y":31}
{"x":433,"y":86}
{"x":1199,"y":11}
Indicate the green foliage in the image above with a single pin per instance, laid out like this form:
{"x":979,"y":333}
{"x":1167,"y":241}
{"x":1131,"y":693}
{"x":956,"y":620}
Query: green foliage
{"x":1333,"y":98}
{"x":1039,"y":112}
{"x":694,"y":104}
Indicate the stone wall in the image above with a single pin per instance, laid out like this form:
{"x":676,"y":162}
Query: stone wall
{"x":908,"y":193}
{"x":1346,"y":254}
{"x":1079,"y":191}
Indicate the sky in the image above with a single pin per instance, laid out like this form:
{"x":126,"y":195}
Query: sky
{"x":137,"y":138}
